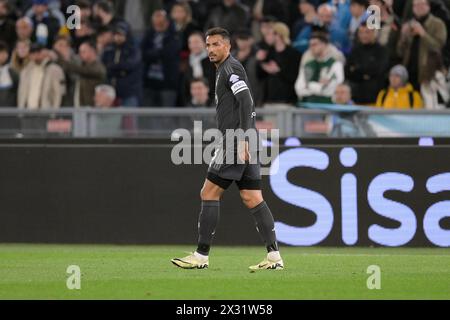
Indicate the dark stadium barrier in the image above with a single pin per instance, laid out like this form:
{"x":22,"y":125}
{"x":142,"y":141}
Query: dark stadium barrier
{"x":392,"y":192}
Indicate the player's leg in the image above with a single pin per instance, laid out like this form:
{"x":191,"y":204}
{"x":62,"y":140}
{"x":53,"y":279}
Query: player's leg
{"x":210,"y":211}
{"x":265,"y":225}
{"x":210,"y":195}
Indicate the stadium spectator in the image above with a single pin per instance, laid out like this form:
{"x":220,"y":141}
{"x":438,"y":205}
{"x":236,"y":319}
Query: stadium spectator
{"x":107,"y":125}
{"x":331,"y":50}
{"x":342,"y":15}
{"x":434,"y":88}
{"x":366,"y":67}
{"x":7,"y":25}
{"x":137,"y":13}
{"x":199,"y":98}
{"x":160,"y":53}
{"x":267,"y":40}
{"x":343,"y":95}
{"x":85,"y":33}
{"x":308,"y":17}
{"x":85,"y":9}
{"x":8,"y":79}
{"x":170,"y":62}
{"x":90,"y":73}
{"x":358,"y":10}
{"x":63,"y":47}
{"x":245,"y":53}
{"x":279,"y":69}
{"x":266,"y":35}
{"x":262,"y":8}
{"x":21,"y":55}
{"x":104,"y":15}
{"x":420,"y":36}
{"x":320,"y":72}
{"x":181,"y":15}
{"x":42,"y":83}
{"x":105,"y":96}
{"x":199,"y":65}
{"x":85,"y":17}
{"x":199,"y":93}
{"x":123,"y":64}
{"x":24,"y":29}
{"x":104,"y":38}
{"x":342,"y":125}
{"x":326,"y":18}
{"x":274,"y":8}
{"x":230,"y":14}
{"x":400,"y":94}
{"x":441,"y":10}
{"x":46,"y":24}
{"x":389,"y":32}
{"x":54,"y":9}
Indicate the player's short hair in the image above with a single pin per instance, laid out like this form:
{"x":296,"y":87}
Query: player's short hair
{"x":219,"y":32}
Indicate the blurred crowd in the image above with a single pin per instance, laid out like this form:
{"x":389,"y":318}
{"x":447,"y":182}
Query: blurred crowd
{"x":152,"y":53}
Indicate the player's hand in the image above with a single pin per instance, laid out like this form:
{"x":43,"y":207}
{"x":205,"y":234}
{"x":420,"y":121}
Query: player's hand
{"x":243,"y":151}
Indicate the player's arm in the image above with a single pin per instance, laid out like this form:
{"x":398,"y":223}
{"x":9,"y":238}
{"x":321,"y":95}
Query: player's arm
{"x":243,"y":96}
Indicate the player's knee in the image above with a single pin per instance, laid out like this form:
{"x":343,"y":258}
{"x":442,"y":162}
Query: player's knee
{"x":209,"y":195}
{"x":204,"y":194}
{"x":251,"y":200}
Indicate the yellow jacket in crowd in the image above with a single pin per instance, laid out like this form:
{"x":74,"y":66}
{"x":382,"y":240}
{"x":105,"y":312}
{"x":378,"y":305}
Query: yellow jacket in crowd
{"x":403,"y":98}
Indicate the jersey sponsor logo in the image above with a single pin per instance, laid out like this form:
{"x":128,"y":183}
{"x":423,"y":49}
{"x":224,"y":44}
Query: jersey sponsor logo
{"x":234,"y":78}
{"x":239,"y":87}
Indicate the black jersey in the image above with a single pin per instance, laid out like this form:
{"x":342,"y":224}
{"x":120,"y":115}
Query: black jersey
{"x":234,"y":103}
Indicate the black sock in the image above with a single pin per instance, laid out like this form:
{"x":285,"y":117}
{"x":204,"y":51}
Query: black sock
{"x":265,"y":225}
{"x":207,"y":222}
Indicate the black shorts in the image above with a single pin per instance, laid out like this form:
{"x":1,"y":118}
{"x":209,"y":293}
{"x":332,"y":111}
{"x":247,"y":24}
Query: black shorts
{"x":247,"y":176}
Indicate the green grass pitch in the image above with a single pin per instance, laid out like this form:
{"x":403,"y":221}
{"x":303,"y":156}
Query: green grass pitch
{"x":145,"y":272}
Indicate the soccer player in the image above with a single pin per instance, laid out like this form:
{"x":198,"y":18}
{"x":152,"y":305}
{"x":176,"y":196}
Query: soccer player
{"x":235,"y":110}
